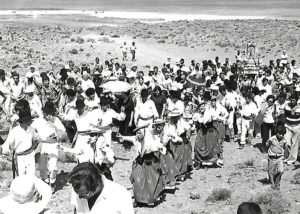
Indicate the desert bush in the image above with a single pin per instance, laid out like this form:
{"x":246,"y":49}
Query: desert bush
{"x":91,"y":40}
{"x":115,"y":36}
{"x":105,"y":39}
{"x":219,"y":194}
{"x":246,"y":164}
{"x":161,"y":41}
{"x":74,"y":51}
{"x":272,"y":202}
{"x":80,"y":40}
{"x":296,"y":178}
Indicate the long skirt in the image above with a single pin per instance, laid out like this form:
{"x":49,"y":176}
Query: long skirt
{"x":147,"y":179}
{"x":169,"y":168}
{"x":221,"y":129}
{"x":182,"y":154}
{"x":207,"y":144}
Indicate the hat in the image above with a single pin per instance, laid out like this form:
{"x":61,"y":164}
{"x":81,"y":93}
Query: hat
{"x":141,"y":127}
{"x":214,"y":87}
{"x":49,"y":108}
{"x":29,"y":89}
{"x":131,"y":75}
{"x":158,"y":122}
{"x":29,"y":74}
{"x":174,"y":113}
{"x":260,"y":71}
{"x":21,"y":197}
{"x":189,"y":90}
{"x":134,"y":65}
{"x":214,"y":98}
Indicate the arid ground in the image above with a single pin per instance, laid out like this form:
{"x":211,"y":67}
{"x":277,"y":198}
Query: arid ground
{"x":47,"y":43}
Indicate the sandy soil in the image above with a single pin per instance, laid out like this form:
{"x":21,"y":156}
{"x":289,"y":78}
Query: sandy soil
{"x":46,"y":43}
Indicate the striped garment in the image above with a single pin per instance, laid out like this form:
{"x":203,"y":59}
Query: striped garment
{"x":292,"y":114}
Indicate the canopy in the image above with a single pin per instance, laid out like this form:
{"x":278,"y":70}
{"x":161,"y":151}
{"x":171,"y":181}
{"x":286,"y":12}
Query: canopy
{"x":116,"y":86}
{"x":196,"y":81}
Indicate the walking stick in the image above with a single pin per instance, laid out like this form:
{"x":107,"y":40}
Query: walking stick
{"x":14,"y":164}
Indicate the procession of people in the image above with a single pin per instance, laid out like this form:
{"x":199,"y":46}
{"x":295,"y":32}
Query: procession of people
{"x":176,"y":117}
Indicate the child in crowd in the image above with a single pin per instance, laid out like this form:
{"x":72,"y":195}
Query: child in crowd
{"x":275,"y":146}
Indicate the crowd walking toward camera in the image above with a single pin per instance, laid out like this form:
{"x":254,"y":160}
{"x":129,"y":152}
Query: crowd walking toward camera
{"x":177,"y":117}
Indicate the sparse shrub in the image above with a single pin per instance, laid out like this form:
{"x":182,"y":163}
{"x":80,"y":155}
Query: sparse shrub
{"x":161,"y":41}
{"x":115,"y":36}
{"x":80,"y":40}
{"x":296,"y":178}
{"x":246,"y":164}
{"x":272,"y":203}
{"x":74,"y":51}
{"x":219,"y":194}
{"x":105,"y":39}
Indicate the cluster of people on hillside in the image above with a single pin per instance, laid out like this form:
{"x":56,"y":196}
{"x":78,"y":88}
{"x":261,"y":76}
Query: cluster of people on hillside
{"x":160,"y":113}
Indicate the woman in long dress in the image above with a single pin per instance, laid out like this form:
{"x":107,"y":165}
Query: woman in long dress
{"x":146,"y":176}
{"x":207,"y":145}
{"x":175,"y":138}
{"x":169,"y":168}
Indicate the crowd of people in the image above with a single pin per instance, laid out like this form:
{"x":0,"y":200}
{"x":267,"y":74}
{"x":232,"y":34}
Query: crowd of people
{"x":159,"y":111}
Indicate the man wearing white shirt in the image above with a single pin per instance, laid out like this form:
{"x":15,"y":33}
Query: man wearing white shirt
{"x":51,"y":131}
{"x":174,"y":102}
{"x":145,"y":110}
{"x":106,"y":116}
{"x":265,"y":86}
{"x":284,"y":58}
{"x":248,"y":113}
{"x":86,"y":82}
{"x":22,"y":138}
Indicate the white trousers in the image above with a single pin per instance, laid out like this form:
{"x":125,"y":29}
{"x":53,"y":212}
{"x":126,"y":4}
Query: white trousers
{"x":26,"y":164}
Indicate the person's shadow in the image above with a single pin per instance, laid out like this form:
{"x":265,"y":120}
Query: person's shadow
{"x":61,"y":180}
{"x":261,"y":147}
{"x":265,"y":181}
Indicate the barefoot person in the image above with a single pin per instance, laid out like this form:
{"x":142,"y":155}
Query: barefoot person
{"x":276,"y":146}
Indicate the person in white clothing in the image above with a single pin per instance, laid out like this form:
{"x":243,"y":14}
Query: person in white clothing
{"x":34,"y":102}
{"x":51,"y":131}
{"x":28,"y":195}
{"x":106,"y":116}
{"x":22,"y":141}
{"x":93,"y":193}
{"x":248,"y":112}
{"x":145,"y":110}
